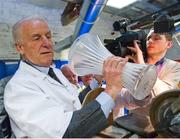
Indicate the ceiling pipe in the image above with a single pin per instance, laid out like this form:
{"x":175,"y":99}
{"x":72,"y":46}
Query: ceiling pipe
{"x":91,"y":9}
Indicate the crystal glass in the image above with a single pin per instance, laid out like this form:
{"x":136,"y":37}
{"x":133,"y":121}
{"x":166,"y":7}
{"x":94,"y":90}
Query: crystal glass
{"x":87,"y":55}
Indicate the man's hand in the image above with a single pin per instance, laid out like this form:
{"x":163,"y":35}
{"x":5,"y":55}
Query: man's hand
{"x":99,"y":79}
{"x":112,"y":72}
{"x":137,"y":55}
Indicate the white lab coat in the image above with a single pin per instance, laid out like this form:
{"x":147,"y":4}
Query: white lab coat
{"x":39,"y":106}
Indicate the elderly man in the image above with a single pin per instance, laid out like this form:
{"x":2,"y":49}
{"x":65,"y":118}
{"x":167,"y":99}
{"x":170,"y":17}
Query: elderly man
{"x":69,"y":74}
{"x":41,"y":102}
{"x":73,"y":78}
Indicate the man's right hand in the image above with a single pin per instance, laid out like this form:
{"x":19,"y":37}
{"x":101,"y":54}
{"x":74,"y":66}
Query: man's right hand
{"x":112,"y":72}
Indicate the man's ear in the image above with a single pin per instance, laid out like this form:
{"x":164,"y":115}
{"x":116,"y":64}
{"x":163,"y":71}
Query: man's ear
{"x":170,"y":44}
{"x":19,"y":48}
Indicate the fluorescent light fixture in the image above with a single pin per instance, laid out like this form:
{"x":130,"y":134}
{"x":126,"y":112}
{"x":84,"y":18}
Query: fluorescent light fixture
{"x":119,"y":3}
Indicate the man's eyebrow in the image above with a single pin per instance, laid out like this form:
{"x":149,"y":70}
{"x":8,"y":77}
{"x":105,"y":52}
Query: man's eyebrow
{"x":36,"y":34}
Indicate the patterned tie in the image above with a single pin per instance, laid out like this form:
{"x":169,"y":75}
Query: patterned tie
{"x":53,"y":75}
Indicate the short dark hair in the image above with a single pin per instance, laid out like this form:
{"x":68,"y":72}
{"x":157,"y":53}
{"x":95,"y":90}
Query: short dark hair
{"x":168,"y":36}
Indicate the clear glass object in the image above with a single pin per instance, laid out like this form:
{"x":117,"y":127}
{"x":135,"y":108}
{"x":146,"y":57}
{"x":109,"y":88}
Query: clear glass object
{"x":87,"y":54}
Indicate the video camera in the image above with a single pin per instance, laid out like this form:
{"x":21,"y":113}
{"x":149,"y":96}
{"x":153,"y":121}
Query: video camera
{"x":118,"y":47}
{"x":162,"y":24}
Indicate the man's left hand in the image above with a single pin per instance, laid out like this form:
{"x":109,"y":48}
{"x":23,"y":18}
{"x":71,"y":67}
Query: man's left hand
{"x":137,"y":55}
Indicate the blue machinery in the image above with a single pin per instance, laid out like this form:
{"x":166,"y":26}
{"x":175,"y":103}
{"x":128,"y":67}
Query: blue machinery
{"x":91,"y":9}
{"x":8,"y":68}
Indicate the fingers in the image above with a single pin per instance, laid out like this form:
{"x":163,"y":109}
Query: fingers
{"x":132,"y":57}
{"x":113,"y":64}
{"x":129,"y":57}
{"x":121,"y":64}
{"x":99,"y":78}
{"x":133,"y":49}
{"x":136,"y":48}
{"x":113,"y":68}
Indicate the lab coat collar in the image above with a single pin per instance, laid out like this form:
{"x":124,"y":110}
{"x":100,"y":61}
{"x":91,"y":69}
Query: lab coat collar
{"x":34,"y":71}
{"x":37,"y":73}
{"x":42,"y":69}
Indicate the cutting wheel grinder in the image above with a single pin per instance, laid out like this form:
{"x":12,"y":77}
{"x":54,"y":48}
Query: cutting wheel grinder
{"x":165,"y":113}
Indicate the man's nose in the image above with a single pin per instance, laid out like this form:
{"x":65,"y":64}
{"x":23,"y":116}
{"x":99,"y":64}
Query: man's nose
{"x":74,"y":79}
{"x":150,"y":40}
{"x":46,"y":42}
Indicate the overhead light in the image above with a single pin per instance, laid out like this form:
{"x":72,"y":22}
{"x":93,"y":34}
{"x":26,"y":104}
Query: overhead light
{"x":119,"y":3}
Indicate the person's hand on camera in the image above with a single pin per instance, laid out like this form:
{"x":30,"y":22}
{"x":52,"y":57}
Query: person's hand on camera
{"x":137,"y":55}
{"x":112,"y":72}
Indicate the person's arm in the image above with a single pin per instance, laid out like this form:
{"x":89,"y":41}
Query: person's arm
{"x":87,"y":122}
{"x":44,"y":117}
{"x":92,"y":118}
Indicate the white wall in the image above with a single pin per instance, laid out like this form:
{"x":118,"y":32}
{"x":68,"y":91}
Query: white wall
{"x":13,"y":10}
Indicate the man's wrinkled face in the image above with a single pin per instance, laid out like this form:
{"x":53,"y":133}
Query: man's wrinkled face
{"x":157,"y":44}
{"x":36,"y":44}
{"x":72,"y":77}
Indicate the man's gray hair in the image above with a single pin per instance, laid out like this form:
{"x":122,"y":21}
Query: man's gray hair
{"x":15,"y":30}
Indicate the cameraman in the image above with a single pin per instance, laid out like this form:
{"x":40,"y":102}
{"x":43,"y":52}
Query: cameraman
{"x":168,"y":70}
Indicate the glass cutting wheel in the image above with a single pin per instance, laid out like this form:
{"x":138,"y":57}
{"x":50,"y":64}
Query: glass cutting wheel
{"x":165,"y":113}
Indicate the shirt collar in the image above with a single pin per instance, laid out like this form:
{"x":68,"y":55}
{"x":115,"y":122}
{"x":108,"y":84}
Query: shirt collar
{"x":160,"y":62}
{"x":41,"y":69}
